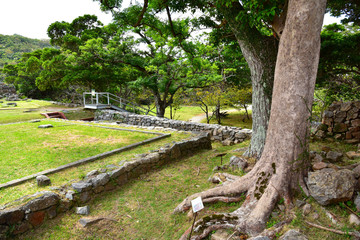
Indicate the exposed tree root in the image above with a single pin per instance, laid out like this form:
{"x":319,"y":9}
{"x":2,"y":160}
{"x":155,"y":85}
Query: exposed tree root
{"x":251,"y":216}
{"x":355,"y":234}
{"x":221,"y":192}
{"x":207,"y":224}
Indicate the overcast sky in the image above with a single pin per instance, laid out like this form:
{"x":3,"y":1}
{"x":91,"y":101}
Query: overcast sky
{"x":31,"y":18}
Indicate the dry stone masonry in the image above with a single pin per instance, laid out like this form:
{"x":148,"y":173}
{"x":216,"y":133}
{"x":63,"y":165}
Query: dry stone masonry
{"x":6,"y":90}
{"x":17,"y":218}
{"x":341,"y":121}
{"x":217,"y":132}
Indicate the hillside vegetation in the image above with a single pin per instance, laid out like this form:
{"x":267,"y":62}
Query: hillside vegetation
{"x":12,"y":47}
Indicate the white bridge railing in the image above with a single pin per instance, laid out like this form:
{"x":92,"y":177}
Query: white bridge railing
{"x":101,"y":100}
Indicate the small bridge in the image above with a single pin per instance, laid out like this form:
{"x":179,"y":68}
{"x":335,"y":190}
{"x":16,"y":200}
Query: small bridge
{"x":105,"y":100}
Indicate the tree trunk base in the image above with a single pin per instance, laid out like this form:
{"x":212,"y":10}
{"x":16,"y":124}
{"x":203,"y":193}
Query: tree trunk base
{"x":252,"y":216}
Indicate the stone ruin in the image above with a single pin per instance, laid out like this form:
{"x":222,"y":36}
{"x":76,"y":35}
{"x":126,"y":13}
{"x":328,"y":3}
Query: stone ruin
{"x":6,"y":90}
{"x":341,"y":121}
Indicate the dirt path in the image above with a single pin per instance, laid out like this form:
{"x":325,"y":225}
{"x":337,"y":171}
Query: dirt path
{"x":200,"y":118}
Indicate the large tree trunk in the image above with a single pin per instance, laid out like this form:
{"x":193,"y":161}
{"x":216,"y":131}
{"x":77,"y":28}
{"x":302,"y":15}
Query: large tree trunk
{"x":260,"y":53}
{"x":160,"y":105}
{"x":281,"y":168}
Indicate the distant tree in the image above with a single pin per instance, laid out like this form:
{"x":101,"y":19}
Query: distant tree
{"x":210,"y":100}
{"x":12,"y":48}
{"x":339,"y":67}
{"x":255,"y":26}
{"x":240,"y":98}
{"x":349,"y":9}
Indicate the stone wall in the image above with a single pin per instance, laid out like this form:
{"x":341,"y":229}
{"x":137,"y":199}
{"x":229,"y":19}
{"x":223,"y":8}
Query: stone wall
{"x":6,"y":90}
{"x":217,"y":132}
{"x":341,"y":121}
{"x":34,"y":210}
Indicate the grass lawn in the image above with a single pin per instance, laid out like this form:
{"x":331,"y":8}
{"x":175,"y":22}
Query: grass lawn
{"x":26,"y":149}
{"x":185,"y":113}
{"x":25,"y":110}
{"x":143,"y":207}
{"x":235,"y":119}
{"x":77,"y":173}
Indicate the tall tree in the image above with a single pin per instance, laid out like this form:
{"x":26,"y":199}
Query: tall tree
{"x":249,"y":24}
{"x":282,"y":166}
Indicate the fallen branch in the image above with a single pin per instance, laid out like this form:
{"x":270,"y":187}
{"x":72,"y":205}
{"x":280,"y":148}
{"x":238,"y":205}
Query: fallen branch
{"x":354,"y":234}
{"x":351,"y":211}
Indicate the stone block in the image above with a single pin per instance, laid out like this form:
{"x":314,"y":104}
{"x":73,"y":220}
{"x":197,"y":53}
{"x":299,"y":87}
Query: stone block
{"x":84,"y":196}
{"x":43,"y":180}
{"x":51,"y":212}
{"x":356,"y":135}
{"x":98,"y":189}
{"x":45,"y":126}
{"x":352,"y":155}
{"x":328,"y":121}
{"x":340,"y":127}
{"x":21,"y":228}
{"x":329,"y":186}
{"x":11,"y":216}
{"x":117,"y":172}
{"x":122,"y":179}
{"x":293,"y":235}
{"x":328,"y":114}
{"x":340,"y":114}
{"x":339,"y":120}
{"x":45,"y":201}
{"x":334,"y":156}
{"x":65,"y":205}
{"x":81,"y":186}
{"x":357,"y":104}
{"x":110,"y":186}
{"x":346,"y":106}
{"x":36,"y":218}
{"x":83,"y":210}
{"x":100,"y":180}
{"x":355,"y":123}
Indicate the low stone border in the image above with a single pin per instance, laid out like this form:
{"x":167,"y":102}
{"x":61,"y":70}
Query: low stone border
{"x":217,"y":132}
{"x":89,"y":159}
{"x":42,"y":206}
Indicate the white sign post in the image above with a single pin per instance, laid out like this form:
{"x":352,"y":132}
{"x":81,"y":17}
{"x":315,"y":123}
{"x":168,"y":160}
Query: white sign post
{"x":197,"y":205}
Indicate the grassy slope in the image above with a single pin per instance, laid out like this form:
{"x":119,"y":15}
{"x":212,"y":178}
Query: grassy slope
{"x":143,"y":208}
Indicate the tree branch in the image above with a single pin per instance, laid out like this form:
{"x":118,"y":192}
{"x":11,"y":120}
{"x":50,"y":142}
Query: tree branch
{"x":146,"y":2}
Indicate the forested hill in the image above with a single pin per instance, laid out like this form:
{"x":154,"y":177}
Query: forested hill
{"x":12,"y":47}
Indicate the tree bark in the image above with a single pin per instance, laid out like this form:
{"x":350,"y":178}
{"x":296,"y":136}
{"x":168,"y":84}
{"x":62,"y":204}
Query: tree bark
{"x":283,"y":165}
{"x":260,"y":53}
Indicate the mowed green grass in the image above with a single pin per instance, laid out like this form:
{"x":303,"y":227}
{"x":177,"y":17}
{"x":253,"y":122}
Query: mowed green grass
{"x":143,"y":207}
{"x":26,"y":149}
{"x":25,"y":110}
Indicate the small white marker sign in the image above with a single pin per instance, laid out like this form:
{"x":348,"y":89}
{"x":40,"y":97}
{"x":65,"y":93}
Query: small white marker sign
{"x":197,"y":204}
